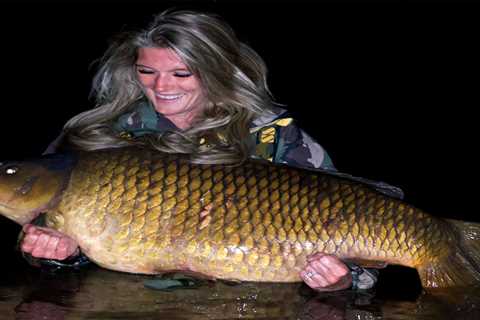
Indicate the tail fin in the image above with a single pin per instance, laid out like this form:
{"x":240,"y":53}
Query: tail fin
{"x":462,"y":267}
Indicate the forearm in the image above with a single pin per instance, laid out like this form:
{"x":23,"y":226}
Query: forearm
{"x":76,"y":261}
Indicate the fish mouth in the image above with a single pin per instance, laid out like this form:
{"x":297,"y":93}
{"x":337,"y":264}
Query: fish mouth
{"x":17,"y":216}
{"x":5,"y":208}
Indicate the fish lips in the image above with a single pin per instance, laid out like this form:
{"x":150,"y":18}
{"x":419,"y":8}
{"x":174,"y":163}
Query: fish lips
{"x":18,"y":216}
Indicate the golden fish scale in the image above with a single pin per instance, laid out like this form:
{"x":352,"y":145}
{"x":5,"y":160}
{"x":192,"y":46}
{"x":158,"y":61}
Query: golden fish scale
{"x":146,"y":212}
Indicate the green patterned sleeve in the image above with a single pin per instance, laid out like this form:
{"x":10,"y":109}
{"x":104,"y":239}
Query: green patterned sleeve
{"x":282,"y":141}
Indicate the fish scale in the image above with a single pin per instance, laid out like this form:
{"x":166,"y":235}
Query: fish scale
{"x":236,"y":239}
{"x":141,"y":211}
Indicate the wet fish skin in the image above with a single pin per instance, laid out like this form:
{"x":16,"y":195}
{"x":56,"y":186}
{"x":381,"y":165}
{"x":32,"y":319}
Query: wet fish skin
{"x":142,"y":211}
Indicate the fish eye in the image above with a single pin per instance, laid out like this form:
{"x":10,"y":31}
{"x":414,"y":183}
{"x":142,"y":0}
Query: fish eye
{"x":11,"y":170}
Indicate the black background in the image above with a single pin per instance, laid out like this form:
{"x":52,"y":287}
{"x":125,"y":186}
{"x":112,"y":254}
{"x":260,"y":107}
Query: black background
{"x":389,"y":89}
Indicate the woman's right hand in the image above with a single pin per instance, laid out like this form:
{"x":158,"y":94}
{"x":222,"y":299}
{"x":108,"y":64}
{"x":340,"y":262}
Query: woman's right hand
{"x":47,"y":243}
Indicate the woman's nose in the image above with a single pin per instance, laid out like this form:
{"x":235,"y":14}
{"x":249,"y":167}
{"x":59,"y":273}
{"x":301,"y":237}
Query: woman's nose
{"x":163,"y":82}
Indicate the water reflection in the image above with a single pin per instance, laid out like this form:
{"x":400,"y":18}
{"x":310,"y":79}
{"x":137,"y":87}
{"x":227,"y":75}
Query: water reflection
{"x":96,"y":293}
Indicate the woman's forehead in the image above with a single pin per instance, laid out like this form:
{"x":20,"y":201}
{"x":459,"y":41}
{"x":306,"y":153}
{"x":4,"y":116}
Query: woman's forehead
{"x":159,"y":56}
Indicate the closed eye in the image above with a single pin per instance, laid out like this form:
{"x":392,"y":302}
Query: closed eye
{"x":145,"y":71}
{"x":183,"y":75}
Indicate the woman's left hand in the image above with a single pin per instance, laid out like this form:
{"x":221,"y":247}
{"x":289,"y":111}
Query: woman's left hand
{"x":325,"y":272}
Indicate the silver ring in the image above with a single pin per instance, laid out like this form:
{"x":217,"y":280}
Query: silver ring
{"x":310,"y":274}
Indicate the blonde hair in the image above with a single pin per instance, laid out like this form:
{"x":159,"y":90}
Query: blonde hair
{"x":232,"y":76}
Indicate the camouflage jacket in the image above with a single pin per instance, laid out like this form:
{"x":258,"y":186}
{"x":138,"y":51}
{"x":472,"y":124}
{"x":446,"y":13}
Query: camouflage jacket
{"x":275,"y":137}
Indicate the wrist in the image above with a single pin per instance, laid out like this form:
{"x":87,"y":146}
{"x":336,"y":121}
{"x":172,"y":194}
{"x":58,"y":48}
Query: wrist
{"x":363,"y":279}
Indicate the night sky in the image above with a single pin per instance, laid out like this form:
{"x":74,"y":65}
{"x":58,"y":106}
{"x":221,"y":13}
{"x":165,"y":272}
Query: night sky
{"x":390,"y":90}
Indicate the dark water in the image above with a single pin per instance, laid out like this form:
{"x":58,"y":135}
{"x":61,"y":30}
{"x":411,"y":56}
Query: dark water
{"x":94,"y":293}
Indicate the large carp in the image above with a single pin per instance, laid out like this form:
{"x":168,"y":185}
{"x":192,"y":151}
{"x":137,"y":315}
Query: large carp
{"x":142,"y":211}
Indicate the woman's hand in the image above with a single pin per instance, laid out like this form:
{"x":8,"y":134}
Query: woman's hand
{"x":47,"y":243}
{"x":325,"y":272}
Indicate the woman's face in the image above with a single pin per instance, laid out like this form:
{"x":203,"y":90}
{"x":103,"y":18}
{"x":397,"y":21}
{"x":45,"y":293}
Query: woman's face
{"x":171,"y":87}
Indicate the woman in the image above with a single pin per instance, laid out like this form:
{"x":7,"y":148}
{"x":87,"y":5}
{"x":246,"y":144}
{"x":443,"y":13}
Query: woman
{"x":187,"y":85}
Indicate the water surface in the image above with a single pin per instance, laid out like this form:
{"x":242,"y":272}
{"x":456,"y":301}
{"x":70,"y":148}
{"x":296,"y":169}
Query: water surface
{"x":95,"y":293}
